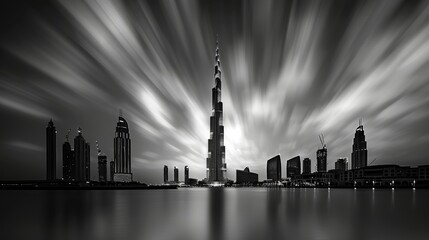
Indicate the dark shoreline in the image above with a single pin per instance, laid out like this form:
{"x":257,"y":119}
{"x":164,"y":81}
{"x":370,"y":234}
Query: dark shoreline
{"x":60,"y":185}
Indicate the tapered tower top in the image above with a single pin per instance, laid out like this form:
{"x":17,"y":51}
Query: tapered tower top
{"x":360,"y":127}
{"x":50,"y":123}
{"x":218,"y":72}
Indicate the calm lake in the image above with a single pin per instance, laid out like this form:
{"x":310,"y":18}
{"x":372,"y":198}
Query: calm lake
{"x":216,"y":213}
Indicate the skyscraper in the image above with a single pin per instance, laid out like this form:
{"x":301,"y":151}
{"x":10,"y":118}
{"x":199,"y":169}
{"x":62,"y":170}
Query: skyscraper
{"x":246,"y":177}
{"x":216,"y":165}
{"x":82,"y":158}
{"x":306,"y":166}
{"x":186,"y":175}
{"x":165,"y":174}
{"x":293,"y":166}
{"x":112,"y":170}
{"x":102,"y":164}
{"x":359,"y":148}
{"x":341,"y":164}
{"x":68,"y":159}
{"x":73,"y":165}
{"x":322,"y":155}
{"x":102,"y":168}
{"x":51,"y":151}
{"x":176,"y":174}
{"x":87,"y":162}
{"x":274,"y":169}
{"x":122,"y":152}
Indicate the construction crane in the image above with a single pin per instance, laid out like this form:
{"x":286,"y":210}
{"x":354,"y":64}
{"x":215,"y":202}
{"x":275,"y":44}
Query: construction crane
{"x":372,"y":161}
{"x":322,"y":140}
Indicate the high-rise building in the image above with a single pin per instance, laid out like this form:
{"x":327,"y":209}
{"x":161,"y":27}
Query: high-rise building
{"x":112,"y":171}
{"x":359,"y":148}
{"x":165,"y":174}
{"x":68,"y":159}
{"x":341,"y":164}
{"x":186,"y":175}
{"x":176,"y":174}
{"x":274,"y":169}
{"x":51,"y":153}
{"x":102,"y":164}
{"x":82,"y":158}
{"x":322,"y":155}
{"x":216,"y":165}
{"x":246,"y":177}
{"x":73,"y":165}
{"x":293,"y":166}
{"x":102,"y":168}
{"x":306,"y":166}
{"x":122,"y":152}
{"x":87,"y":162}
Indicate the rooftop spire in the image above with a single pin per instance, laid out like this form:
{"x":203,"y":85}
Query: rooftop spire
{"x":217,"y":73}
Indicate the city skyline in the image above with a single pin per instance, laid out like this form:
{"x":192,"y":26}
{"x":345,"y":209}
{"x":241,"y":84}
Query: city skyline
{"x":291,"y":70}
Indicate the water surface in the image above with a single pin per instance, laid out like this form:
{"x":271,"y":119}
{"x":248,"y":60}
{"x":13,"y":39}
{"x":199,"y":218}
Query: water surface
{"x":229,"y":213}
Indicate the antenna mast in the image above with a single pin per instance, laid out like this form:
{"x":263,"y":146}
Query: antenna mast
{"x":67,"y":135}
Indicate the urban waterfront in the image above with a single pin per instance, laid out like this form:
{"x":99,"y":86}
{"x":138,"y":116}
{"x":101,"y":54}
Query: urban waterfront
{"x":216,"y":213}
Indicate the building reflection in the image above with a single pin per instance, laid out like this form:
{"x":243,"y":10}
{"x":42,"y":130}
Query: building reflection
{"x":216,"y":213}
{"x":274,"y":198}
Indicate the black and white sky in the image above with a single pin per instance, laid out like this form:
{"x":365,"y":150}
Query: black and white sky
{"x":291,"y":70}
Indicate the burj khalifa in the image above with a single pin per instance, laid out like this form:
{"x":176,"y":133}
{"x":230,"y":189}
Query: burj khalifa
{"x":216,"y":166}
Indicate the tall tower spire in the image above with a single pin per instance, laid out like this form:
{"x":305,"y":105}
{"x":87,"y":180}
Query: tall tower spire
{"x":51,"y":151}
{"x":218,"y":72}
{"x":216,"y":166}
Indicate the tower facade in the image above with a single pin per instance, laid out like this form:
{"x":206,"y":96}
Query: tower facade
{"x":87,"y":162}
{"x":293,"y":166}
{"x":165,"y":174}
{"x":81,"y":158}
{"x":102,"y":168}
{"x":51,"y":159}
{"x":274,"y":169}
{"x":216,"y":165}
{"x":322,"y":155}
{"x":68,"y":159}
{"x":122,"y":152}
{"x":186,"y":175}
{"x":176,"y":174}
{"x":306,"y":166}
{"x":341,"y":164}
{"x":359,"y":148}
{"x":112,"y":170}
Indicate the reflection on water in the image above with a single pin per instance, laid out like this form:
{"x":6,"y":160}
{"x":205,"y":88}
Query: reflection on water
{"x":217,"y":213}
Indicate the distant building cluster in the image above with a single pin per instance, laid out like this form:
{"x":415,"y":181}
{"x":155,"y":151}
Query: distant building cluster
{"x":362,"y":174}
{"x":76,"y":161}
{"x":176,"y":181}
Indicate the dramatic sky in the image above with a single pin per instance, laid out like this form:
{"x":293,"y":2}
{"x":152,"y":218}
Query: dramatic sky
{"x":291,"y":71}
